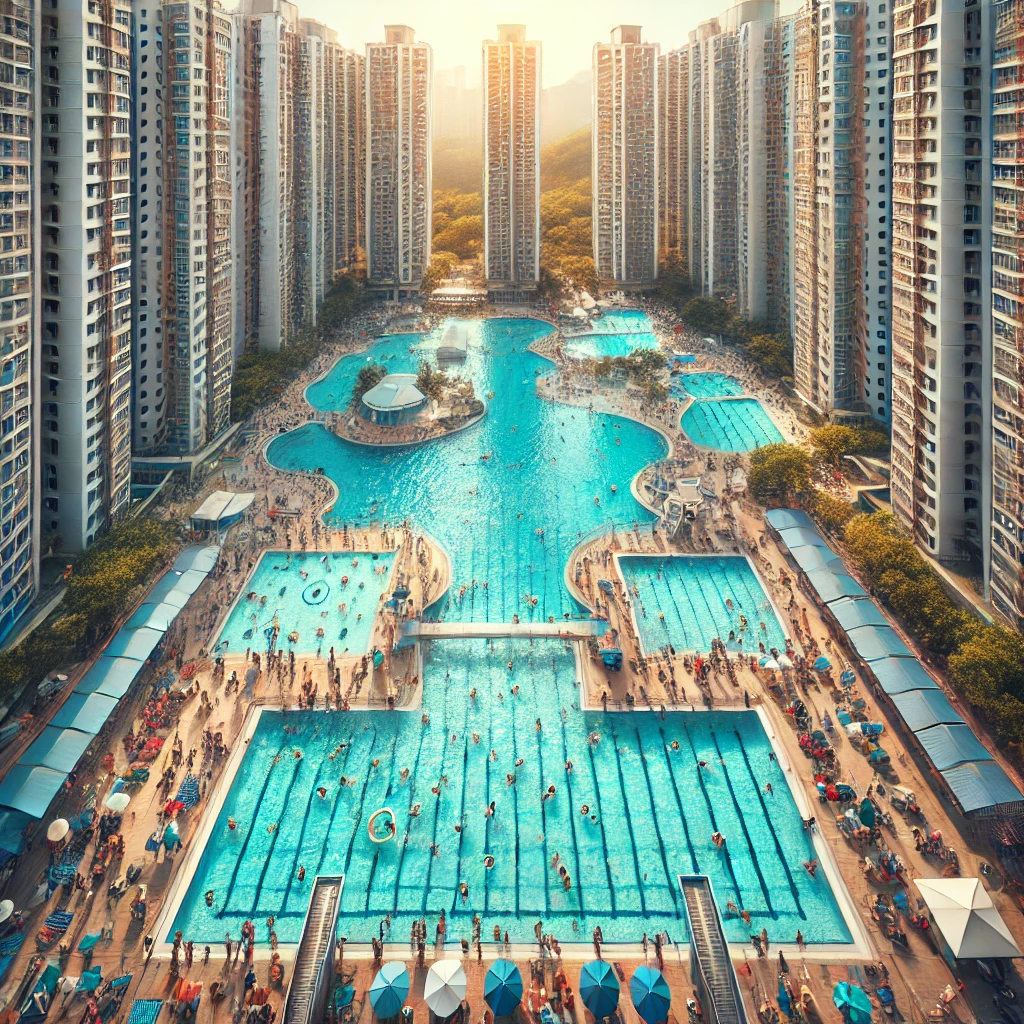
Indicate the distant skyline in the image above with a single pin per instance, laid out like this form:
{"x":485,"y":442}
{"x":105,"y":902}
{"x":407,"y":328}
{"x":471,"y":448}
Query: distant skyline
{"x":567,"y":30}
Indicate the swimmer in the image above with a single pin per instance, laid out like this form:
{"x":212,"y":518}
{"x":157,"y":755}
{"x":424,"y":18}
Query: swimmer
{"x":510,"y":664}
{"x":232,"y":824}
{"x":375,"y":763}
{"x":538,"y":726}
{"x":811,"y":866}
{"x":321,"y":791}
{"x":297,"y":754}
{"x":585,"y":810}
{"x":302,"y":873}
{"x":414,"y":811}
{"x":519,"y":762}
{"x":489,"y":810}
{"x":404,"y":774}
{"x":568,"y":767}
{"x":494,"y":754}
{"x":464,"y":891}
{"x":209,"y":897}
{"x":745,"y":914}
{"x":731,"y":908}
{"x":272,"y":828}
{"x":425,"y":718}
{"x":768,"y":789}
{"x":675,"y":744}
{"x":702,"y":764}
{"x":515,"y":690}
{"x":510,"y":779}
{"x":472,"y":694}
{"x":489,"y":863}
{"x":476,"y":737}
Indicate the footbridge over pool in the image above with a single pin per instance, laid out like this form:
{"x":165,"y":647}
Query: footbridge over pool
{"x":576,"y":629}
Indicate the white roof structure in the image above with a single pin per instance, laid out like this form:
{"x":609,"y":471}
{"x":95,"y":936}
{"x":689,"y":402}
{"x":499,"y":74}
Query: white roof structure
{"x":219,"y":506}
{"x":454,"y":341}
{"x":395,"y":392}
{"x":963,"y":911}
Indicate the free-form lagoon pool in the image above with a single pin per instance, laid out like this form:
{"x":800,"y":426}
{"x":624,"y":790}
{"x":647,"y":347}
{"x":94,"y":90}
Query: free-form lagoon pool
{"x":613,"y":334}
{"x":337,"y":593}
{"x":707,"y":385}
{"x":681,"y":600}
{"x":729,"y":425}
{"x":651,"y":812}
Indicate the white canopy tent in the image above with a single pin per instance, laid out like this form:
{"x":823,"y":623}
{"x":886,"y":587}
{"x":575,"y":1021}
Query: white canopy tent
{"x":968,"y":920}
{"x":220,"y":510}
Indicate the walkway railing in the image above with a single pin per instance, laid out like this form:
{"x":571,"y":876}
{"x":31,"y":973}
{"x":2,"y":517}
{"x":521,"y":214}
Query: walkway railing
{"x":313,"y":971}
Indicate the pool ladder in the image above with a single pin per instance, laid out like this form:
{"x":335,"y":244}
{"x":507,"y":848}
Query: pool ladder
{"x":711,"y":967}
{"x":313,"y":971}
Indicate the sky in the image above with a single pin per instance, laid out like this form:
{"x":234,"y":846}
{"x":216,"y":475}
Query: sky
{"x":567,"y":29}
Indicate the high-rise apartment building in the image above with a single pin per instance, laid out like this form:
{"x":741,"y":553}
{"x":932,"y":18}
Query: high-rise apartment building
{"x":399,"y":75}
{"x":20,"y":298}
{"x":1005,"y":564}
{"x":185,"y":302}
{"x":86,"y":200}
{"x":624,"y":145}
{"x":940,"y":408}
{"x":511,"y":185}
{"x":674,"y":159}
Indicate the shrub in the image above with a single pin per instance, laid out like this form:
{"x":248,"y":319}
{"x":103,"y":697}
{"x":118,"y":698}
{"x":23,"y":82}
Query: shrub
{"x":779,"y":473}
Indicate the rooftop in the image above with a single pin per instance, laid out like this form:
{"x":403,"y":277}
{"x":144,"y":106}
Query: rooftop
{"x":395,"y":391}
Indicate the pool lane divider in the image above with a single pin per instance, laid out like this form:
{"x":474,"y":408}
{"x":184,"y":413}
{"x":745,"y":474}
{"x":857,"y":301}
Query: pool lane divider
{"x":408,"y":823}
{"x":330,"y":824}
{"x":764,"y":808}
{"x":695,"y":867}
{"x":539,"y":734}
{"x":248,"y":835}
{"x":743,"y":825}
{"x":359,"y":819}
{"x":632,"y":845}
{"x":387,"y":803}
{"x":572,"y":820}
{"x":600,"y":821}
{"x":657,"y":823}
{"x":302,"y":832}
{"x":296,"y":768}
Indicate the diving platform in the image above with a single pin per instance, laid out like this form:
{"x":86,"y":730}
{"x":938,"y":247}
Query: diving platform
{"x":711,"y":969}
{"x":313,"y":971}
{"x":577,"y":629}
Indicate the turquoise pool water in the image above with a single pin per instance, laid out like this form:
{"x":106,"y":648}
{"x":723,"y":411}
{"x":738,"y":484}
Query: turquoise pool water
{"x":614,"y":334}
{"x":334,"y":595}
{"x":691,"y":593}
{"x":508,"y":498}
{"x":655,"y":813}
{"x":707,"y":385}
{"x":733,"y":425}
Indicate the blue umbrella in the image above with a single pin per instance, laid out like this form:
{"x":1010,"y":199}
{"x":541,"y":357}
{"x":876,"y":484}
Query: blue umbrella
{"x":785,"y":1004}
{"x":651,"y":995}
{"x":822,"y":663}
{"x":503,"y":987}
{"x":853,"y":1003}
{"x":389,"y":989}
{"x":599,"y":988}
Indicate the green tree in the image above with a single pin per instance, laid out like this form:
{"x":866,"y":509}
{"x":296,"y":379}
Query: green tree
{"x":368,"y":377}
{"x":772,"y":353}
{"x":579,"y":272}
{"x":779,"y":473}
{"x":707,"y":316}
{"x":440,"y":269}
{"x":430,"y":381}
{"x":464,"y":236}
{"x":833,"y":513}
{"x":341,"y":303}
{"x":833,"y":441}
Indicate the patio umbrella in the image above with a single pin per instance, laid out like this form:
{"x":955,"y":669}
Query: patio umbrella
{"x":117,"y":802}
{"x":599,"y":988}
{"x":852,"y":1002}
{"x":785,"y":1004}
{"x":651,"y":995}
{"x":503,"y":987}
{"x":6,"y":909}
{"x":866,"y":813}
{"x":58,"y":830}
{"x":445,"y":987}
{"x":785,"y":661}
{"x":389,"y":989}
{"x":822,"y":663}
{"x":90,"y":979}
{"x":771,"y":665}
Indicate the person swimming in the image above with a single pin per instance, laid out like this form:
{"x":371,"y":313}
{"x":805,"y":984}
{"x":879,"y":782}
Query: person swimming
{"x":321,"y":791}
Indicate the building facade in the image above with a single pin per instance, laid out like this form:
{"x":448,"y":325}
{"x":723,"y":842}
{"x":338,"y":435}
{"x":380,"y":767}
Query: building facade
{"x":399,"y":75}
{"x":674,"y":160}
{"x":511,"y":178}
{"x":624,"y":174}
{"x":86,"y":207}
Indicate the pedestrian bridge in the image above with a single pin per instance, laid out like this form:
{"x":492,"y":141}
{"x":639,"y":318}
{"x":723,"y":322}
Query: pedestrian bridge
{"x":577,"y":629}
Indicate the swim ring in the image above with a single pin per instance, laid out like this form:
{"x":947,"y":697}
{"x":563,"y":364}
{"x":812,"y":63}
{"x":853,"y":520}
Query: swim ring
{"x":375,"y":836}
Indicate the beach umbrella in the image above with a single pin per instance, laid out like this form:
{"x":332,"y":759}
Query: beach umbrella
{"x":848,"y":678}
{"x":117,"y":802}
{"x":58,"y":830}
{"x":90,"y":979}
{"x":866,"y":813}
{"x":445,"y":987}
{"x":852,"y":1002}
{"x":763,"y":660}
{"x":771,"y":665}
{"x":785,"y":1004}
{"x":6,"y":909}
{"x":651,"y":995}
{"x":503,"y":987}
{"x":785,"y":661}
{"x":171,"y":836}
{"x":389,"y":989}
{"x":599,"y":988}
{"x":822,"y":663}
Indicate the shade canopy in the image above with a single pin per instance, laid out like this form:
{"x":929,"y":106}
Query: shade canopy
{"x":445,"y":987}
{"x":395,"y":392}
{"x":809,"y":558}
{"x":852,"y":1002}
{"x":389,"y":989}
{"x":650,"y":993}
{"x":787,"y":518}
{"x":951,"y":745}
{"x":137,"y":644}
{"x":201,"y":558}
{"x":896,"y":675}
{"x":963,"y":911}
{"x":30,"y":789}
{"x":921,"y":709}
{"x":220,"y":509}
{"x":851,"y":612}
{"x":832,"y":585}
{"x":55,"y":748}
{"x":117,"y":802}
{"x":801,"y":537}
{"x":112,"y":677}
{"x":503,"y":987}
{"x":599,"y":988}
{"x":873,"y":643}
{"x":87,"y":712}
{"x":154,"y":616}
{"x":982,"y":785}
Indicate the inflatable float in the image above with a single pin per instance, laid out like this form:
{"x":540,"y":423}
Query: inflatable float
{"x":377,"y":837}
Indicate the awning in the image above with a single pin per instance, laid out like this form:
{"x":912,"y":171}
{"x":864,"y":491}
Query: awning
{"x":30,"y":790}
{"x":982,"y":786}
{"x":832,"y":585}
{"x":851,"y":612}
{"x":921,"y":709}
{"x":810,"y":557}
{"x":85,"y":712}
{"x":873,"y":643}
{"x":59,"y":749}
{"x":787,"y":518}
{"x":137,"y":644}
{"x":896,"y":675}
{"x":12,"y":832}
{"x":802,"y":536}
{"x":153,"y":616}
{"x":222,"y":508}
{"x":951,"y":745}
{"x":112,"y":677}
{"x":963,"y":911}
{"x":201,"y":558}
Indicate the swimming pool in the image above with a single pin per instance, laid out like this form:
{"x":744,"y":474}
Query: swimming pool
{"x":305,"y":593}
{"x":707,"y":385}
{"x":691,"y":593}
{"x":509,"y":498}
{"x":613,"y":334}
{"x":730,"y":425}
{"x":655,"y":811}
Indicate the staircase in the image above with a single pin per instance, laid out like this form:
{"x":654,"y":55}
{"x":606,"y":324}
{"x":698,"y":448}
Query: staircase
{"x":313,"y":970}
{"x":710,"y":965}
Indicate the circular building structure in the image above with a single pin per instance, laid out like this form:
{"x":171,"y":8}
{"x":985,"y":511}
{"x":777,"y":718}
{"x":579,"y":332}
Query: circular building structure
{"x":393,"y":401}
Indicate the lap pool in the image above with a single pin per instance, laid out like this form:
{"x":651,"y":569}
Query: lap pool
{"x":707,"y":385}
{"x":614,"y":334}
{"x":687,"y":601}
{"x":730,"y":425}
{"x":651,"y":812}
